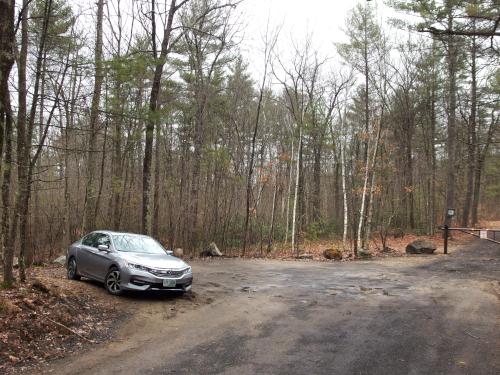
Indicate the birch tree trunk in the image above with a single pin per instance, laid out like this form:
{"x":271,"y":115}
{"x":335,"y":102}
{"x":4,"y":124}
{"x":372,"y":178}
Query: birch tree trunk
{"x":288,"y":196}
{"x":370,"y":165}
{"x":295,"y":248}
{"x":363,"y":201}
{"x":344,"y":188}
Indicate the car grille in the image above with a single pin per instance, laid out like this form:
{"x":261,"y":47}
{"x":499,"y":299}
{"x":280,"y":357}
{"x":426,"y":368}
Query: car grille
{"x":168,"y":273}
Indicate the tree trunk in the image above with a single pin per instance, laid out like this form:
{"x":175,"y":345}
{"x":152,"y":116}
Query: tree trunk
{"x":273,"y":213}
{"x":481,"y":156}
{"x":192,"y":229}
{"x":22,"y":138}
{"x":344,"y":187}
{"x":156,"y":189}
{"x":478,"y":168}
{"x":316,"y":198}
{"x":452,"y":105}
{"x":102,"y":167}
{"x":295,"y":248}
{"x":362,"y":208}
{"x":8,"y":254}
{"x":26,"y":163}
{"x":288,"y":195}
{"x":7,"y":46}
{"x":250,"y":164}
{"x":90,"y":194}
{"x":410,"y":208}
{"x":471,"y":145}
{"x":433,"y":149}
{"x":152,"y":119}
{"x":116,"y":168}
{"x":370,"y":165}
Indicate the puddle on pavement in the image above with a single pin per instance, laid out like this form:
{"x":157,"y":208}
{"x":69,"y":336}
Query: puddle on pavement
{"x":357,"y":291}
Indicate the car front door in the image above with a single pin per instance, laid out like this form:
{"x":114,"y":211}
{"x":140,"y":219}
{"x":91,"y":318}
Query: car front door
{"x":84,"y":254}
{"x":100,"y":260}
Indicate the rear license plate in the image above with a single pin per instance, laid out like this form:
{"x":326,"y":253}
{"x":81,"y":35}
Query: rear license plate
{"x":168,"y":283}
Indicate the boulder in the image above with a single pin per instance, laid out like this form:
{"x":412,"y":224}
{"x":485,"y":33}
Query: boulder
{"x":60,"y":260}
{"x":304,"y":256}
{"x":362,"y":253}
{"x":332,"y":254}
{"x":38,"y":285}
{"x":420,"y":247}
{"x":211,"y":251}
{"x":178,"y":252}
{"x":397,"y":233}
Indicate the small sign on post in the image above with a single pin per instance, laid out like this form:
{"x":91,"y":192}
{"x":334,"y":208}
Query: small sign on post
{"x":483,"y":234}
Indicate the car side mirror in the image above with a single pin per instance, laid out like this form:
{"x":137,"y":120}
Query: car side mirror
{"x":170,"y":252}
{"x":103,"y":247}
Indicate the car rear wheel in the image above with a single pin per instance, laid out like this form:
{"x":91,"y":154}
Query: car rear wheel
{"x":112,"y":282}
{"x":72,"y":270}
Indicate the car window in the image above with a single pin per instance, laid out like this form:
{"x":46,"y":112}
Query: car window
{"x":96,"y":239}
{"x":89,"y":239}
{"x":102,"y":239}
{"x":137,"y":244}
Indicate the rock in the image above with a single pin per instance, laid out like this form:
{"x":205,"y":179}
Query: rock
{"x":38,"y":285}
{"x":304,"y":256}
{"x":8,"y":308}
{"x":60,"y":260}
{"x":178,"y":252}
{"x":273,"y":249}
{"x":420,"y":247}
{"x":362,"y":253}
{"x":332,"y":254}
{"x":397,"y":233}
{"x":211,"y":251}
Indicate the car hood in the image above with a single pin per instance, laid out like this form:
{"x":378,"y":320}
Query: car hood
{"x":154,"y":260}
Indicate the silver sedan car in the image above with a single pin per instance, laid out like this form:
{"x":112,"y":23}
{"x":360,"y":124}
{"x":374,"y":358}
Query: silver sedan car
{"x":125,"y":261}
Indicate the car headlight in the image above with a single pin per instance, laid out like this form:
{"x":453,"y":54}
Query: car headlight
{"x":138,"y":267}
{"x":188,"y":270}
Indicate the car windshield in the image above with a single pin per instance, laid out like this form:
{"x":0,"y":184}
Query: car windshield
{"x":137,"y":244}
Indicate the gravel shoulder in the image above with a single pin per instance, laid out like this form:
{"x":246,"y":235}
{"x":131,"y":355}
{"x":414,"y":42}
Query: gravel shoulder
{"x":412,"y":315}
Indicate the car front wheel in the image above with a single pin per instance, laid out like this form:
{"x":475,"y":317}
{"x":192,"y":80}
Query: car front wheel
{"x":72,"y":270}
{"x":112,"y":282}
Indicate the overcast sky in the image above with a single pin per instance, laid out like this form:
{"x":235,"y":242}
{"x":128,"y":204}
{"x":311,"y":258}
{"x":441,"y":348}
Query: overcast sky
{"x":323,"y":19}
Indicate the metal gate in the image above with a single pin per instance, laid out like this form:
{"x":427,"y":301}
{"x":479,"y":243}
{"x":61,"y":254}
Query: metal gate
{"x":492,"y":235}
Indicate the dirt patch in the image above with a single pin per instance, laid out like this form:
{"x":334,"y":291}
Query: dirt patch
{"x":49,"y":317}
